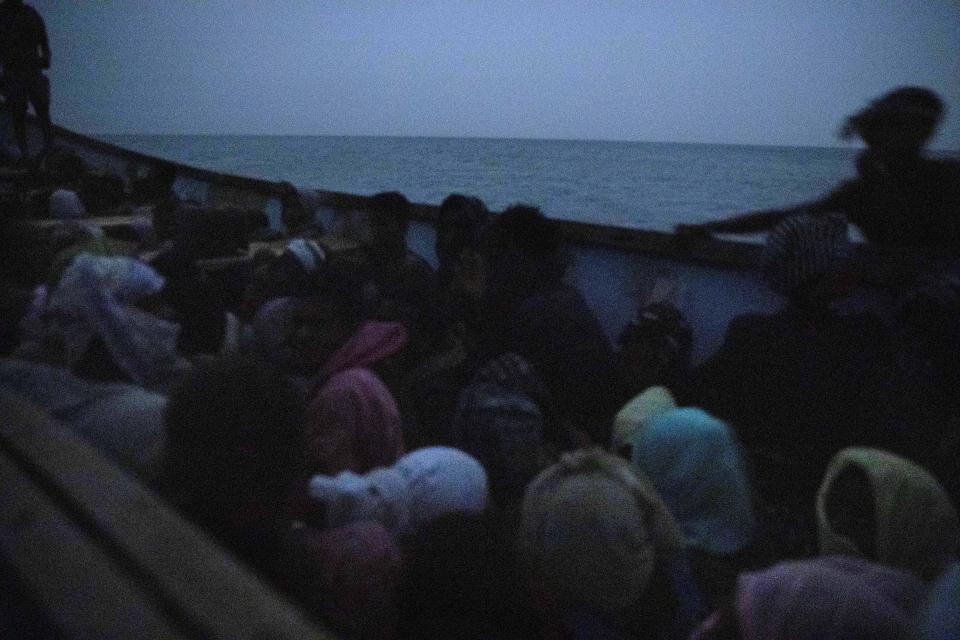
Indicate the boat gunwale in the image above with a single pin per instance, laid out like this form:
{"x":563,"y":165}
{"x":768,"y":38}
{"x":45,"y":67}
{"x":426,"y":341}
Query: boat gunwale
{"x":720,"y":252}
{"x":883,"y":267}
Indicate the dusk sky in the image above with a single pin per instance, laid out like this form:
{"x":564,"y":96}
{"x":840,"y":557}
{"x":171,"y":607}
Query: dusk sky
{"x":754,"y":72}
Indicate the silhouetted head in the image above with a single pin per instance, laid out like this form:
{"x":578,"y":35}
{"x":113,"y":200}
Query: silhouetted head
{"x":807,"y":259}
{"x":526,"y":228}
{"x":324,"y":322}
{"x":390,"y":214}
{"x":902,"y":120}
{"x":459,"y":224}
{"x":521,"y":253}
{"x":234,"y":442}
{"x":293,"y":213}
{"x":461,"y":581}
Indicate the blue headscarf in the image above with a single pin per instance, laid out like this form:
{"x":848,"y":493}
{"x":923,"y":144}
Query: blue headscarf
{"x":940,"y":619}
{"x":695,"y":464}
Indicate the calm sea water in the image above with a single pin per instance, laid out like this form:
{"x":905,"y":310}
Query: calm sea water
{"x":640,"y":184}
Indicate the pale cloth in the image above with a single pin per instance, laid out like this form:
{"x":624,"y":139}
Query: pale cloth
{"x":95,"y":299}
{"x":66,"y":205}
{"x":308,"y":254}
{"x":354,"y":423}
{"x":696,"y":465}
{"x":419,"y":488}
{"x":593,"y":530}
{"x":834,"y":598}
{"x":124,"y":421}
{"x":636,"y":413}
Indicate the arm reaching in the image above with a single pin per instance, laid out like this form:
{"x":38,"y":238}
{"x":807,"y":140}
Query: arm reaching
{"x":753,"y":222}
{"x":44,"y":45}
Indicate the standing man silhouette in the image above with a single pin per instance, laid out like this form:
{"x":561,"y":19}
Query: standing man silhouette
{"x":24,"y":54}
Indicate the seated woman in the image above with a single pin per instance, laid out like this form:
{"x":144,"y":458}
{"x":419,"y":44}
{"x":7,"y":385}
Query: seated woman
{"x":235,"y":463}
{"x":447,"y":354}
{"x":695,"y":464}
{"x":884,"y":508}
{"x":503,"y":418}
{"x":603,"y":553}
{"x":529,"y":309}
{"x":832,"y":598}
{"x":461,"y":580}
{"x":354,"y":422}
{"x":802,"y":379}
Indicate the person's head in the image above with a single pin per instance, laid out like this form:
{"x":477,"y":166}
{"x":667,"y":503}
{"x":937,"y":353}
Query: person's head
{"x":459,"y":223}
{"x":877,"y":505}
{"x":460,"y":581}
{"x":807,"y":259}
{"x":323,"y":323}
{"x":901,"y":121}
{"x":655,"y":348}
{"x":832,"y":598}
{"x":696,"y":465}
{"x":234,"y":443}
{"x":503,"y":428}
{"x":297,"y":271}
{"x":298,"y":268}
{"x":293,"y":213}
{"x":521,"y":250}
{"x":593,"y":531}
{"x":523,"y":228}
{"x":389,"y":218}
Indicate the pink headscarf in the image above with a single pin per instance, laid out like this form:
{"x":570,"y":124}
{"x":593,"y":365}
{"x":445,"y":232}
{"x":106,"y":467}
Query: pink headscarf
{"x":358,"y":569}
{"x":354,"y":420}
{"x":826,"y":598}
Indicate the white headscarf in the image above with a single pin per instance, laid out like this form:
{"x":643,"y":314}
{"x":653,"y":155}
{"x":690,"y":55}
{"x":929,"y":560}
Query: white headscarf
{"x":95,"y":298}
{"x":419,"y":488}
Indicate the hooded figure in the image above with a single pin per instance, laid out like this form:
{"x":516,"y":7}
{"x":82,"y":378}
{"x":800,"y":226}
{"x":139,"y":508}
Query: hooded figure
{"x":877,"y":505}
{"x":593,"y":530}
{"x":695,"y":463}
{"x":833,"y":598}
{"x":500,"y":419}
{"x":637,"y":413}
{"x":940,"y":619}
{"x":354,"y":422}
{"x":95,"y":299}
{"x":420,"y":487}
{"x":348,"y":575}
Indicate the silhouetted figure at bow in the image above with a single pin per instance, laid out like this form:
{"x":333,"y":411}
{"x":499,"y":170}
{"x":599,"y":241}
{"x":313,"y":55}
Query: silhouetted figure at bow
{"x":900,"y":197}
{"x":24,"y":54}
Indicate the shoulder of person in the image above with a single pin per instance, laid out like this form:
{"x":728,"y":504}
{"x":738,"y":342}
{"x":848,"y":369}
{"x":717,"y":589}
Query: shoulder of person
{"x":751,"y":323}
{"x":944,"y":168}
{"x":32,"y":13}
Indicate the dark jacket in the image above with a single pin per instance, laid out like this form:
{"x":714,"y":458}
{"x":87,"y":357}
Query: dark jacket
{"x":23,"y":39}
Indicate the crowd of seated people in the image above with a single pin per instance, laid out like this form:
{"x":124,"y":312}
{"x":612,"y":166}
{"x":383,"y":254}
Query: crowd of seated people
{"x":462,"y":453}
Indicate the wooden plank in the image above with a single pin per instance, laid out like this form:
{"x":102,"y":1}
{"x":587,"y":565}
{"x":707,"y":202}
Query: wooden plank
{"x":80,"y":588}
{"x":211,"y":591}
{"x":103,"y":221}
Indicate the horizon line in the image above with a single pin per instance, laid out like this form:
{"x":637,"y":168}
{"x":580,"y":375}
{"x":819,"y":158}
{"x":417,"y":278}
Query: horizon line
{"x":853,"y":146}
{"x":472,"y":137}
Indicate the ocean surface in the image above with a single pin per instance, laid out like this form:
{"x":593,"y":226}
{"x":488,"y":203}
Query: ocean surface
{"x":635,"y":184}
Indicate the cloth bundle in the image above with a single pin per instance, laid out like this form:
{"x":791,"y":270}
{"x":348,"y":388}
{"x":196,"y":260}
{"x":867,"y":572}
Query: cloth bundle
{"x":419,"y":488}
